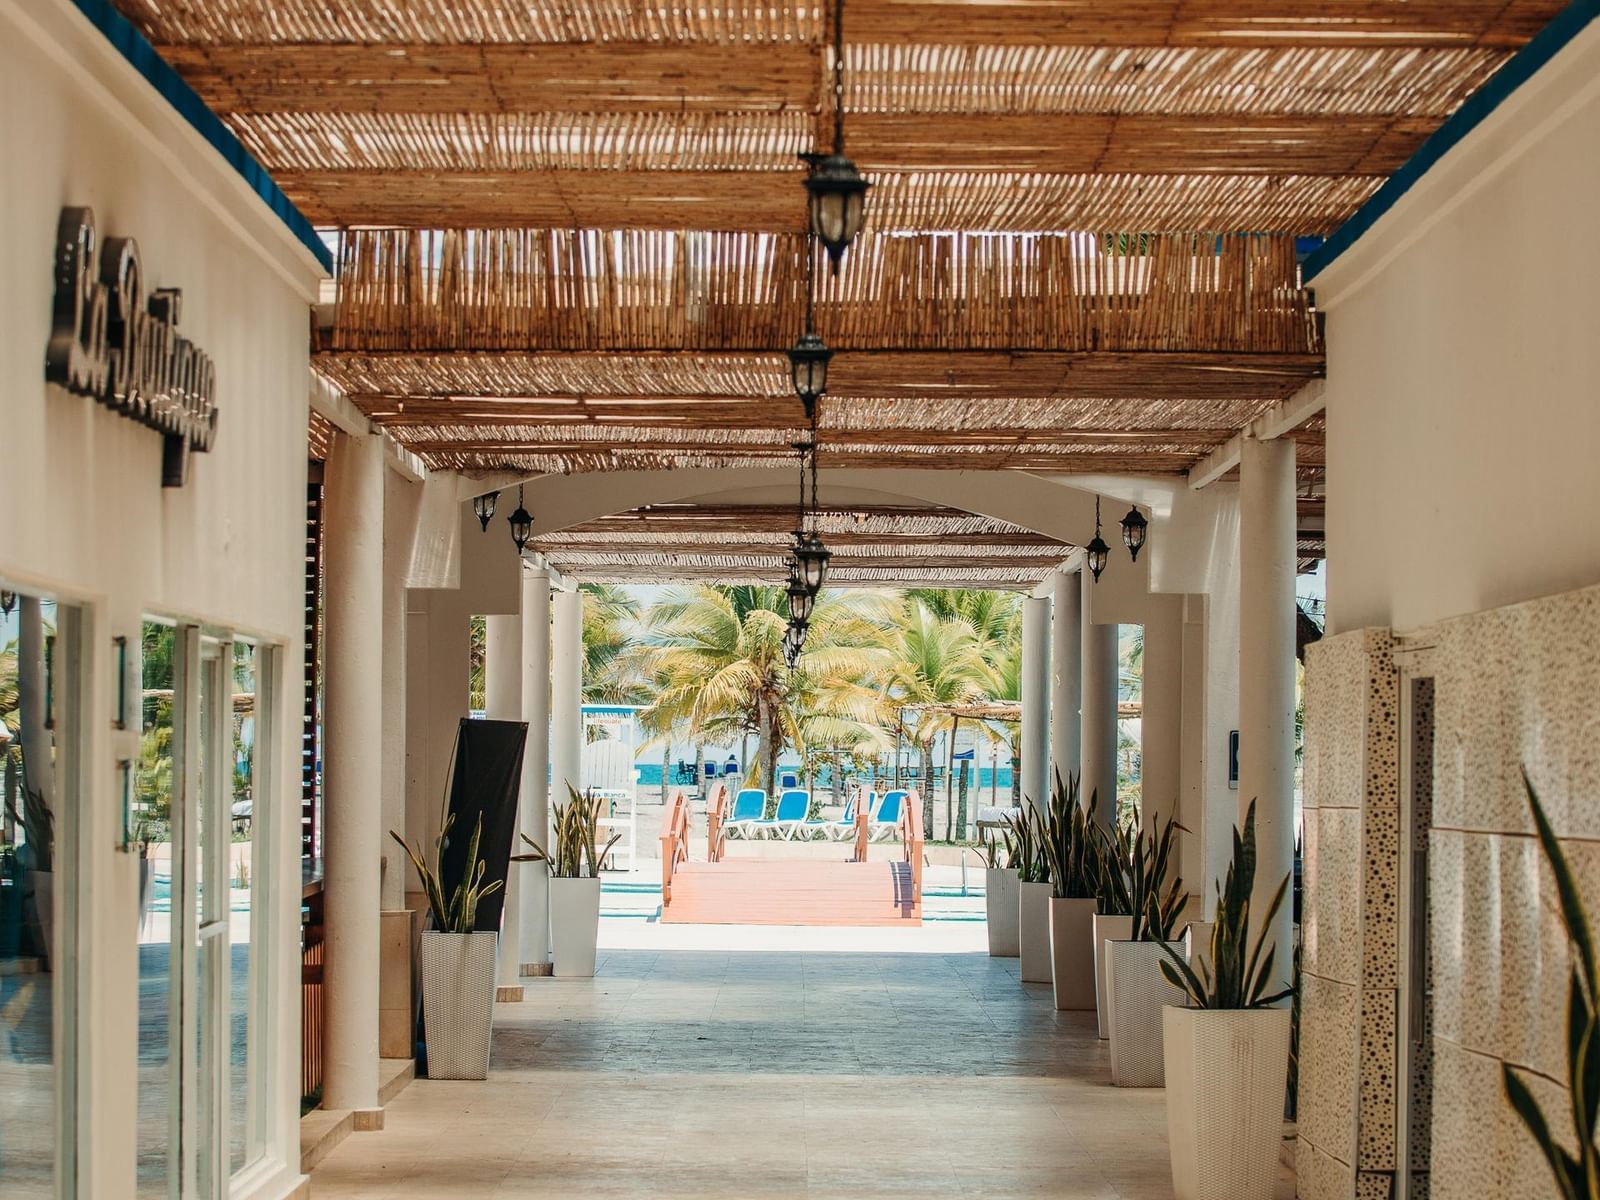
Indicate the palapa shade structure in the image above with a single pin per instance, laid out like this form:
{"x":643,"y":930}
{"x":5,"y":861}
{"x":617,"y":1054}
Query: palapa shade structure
{"x":569,"y":234}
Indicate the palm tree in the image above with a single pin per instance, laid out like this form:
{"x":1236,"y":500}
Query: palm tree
{"x":609,"y":616}
{"x":936,"y":663}
{"x":715,"y":657}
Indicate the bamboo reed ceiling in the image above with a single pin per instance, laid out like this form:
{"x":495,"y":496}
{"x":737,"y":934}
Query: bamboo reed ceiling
{"x":567,"y":230}
{"x":750,"y":544}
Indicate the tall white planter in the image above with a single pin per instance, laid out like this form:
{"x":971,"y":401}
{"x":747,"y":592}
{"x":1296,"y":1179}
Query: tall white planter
{"x":1000,"y":907}
{"x":1136,"y":992}
{"x":574,"y":926}
{"x":1114,"y":929}
{"x":1072,"y":954}
{"x":1033,"y":931}
{"x":1226,"y":1071}
{"x":457,"y":1002}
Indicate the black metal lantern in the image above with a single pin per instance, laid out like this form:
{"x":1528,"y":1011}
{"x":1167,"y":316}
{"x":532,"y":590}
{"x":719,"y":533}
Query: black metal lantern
{"x":794,"y":641}
{"x":521,"y":523}
{"x":801,"y":601}
{"x":836,"y":198}
{"x":483,"y":508}
{"x":1134,"y":527}
{"x":8,"y":603}
{"x":808,"y":369}
{"x":813,"y":558}
{"x":1096,"y":553}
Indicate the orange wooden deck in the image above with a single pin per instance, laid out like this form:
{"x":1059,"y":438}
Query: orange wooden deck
{"x":768,"y":892}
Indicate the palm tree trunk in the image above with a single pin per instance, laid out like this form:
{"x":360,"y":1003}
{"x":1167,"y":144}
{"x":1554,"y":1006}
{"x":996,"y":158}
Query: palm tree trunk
{"x":699,"y":769}
{"x":961,"y":804}
{"x":1016,"y":774}
{"x":766,"y":756}
{"x":949,"y":782}
{"x":927,"y":785}
{"x":666,"y":771}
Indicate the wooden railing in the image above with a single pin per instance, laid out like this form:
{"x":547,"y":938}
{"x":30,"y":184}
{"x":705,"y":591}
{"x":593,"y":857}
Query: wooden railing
{"x":863,"y":828}
{"x":674,"y":842}
{"x":911,"y":840}
{"x":716,"y":814}
{"x":313,"y":999}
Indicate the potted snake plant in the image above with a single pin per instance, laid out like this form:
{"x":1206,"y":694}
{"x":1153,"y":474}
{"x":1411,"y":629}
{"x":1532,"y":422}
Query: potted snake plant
{"x":574,"y":884}
{"x":1033,"y":897}
{"x":1000,"y":895}
{"x":1227,"y":1052}
{"x":1113,"y":918}
{"x":1073,"y":851}
{"x":1136,"y":989}
{"x":457,"y":962}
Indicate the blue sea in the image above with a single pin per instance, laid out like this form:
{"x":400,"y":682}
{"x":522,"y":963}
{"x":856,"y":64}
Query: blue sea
{"x":650,"y":776}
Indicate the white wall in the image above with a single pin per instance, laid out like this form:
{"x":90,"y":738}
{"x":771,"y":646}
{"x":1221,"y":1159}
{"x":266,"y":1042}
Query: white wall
{"x":86,"y":517}
{"x":1464,"y":370}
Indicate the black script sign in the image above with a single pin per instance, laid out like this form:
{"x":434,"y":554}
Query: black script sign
{"x":107,"y":342}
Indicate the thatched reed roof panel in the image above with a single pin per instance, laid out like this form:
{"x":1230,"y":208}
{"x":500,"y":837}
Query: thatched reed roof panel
{"x":405,"y":289}
{"x":685,"y":522}
{"x":1022,"y":22}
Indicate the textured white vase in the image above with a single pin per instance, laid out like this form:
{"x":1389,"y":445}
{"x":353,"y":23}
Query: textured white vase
{"x":1000,"y":907}
{"x":1226,"y":1071}
{"x":1106,"y":929}
{"x":457,"y":1002}
{"x":1033,"y":931}
{"x":1136,"y":992}
{"x":1072,"y":954}
{"x":574,"y":926}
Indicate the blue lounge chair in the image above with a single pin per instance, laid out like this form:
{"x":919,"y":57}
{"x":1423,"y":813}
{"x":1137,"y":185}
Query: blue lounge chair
{"x":792,"y":808}
{"x":885,"y":819}
{"x":837,"y":829}
{"x":789,"y":780}
{"x":749,"y":809}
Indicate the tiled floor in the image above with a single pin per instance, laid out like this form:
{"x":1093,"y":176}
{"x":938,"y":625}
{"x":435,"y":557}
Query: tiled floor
{"x":800,"y":1074}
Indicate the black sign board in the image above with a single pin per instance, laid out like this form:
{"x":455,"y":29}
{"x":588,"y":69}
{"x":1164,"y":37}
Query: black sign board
{"x":112,"y":344}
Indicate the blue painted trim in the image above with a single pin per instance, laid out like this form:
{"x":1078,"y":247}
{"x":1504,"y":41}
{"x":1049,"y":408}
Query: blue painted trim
{"x":134,"y":47}
{"x":1546,"y":44}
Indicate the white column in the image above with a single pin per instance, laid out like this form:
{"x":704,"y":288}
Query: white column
{"x":1036,"y":701}
{"x":502,"y":687}
{"x":1266,"y":669}
{"x":1099,"y":749}
{"x":535,"y":808}
{"x":401,"y":501}
{"x":1066,"y":677}
{"x":353,"y":771}
{"x":566,"y":694}
{"x":1161,"y":722}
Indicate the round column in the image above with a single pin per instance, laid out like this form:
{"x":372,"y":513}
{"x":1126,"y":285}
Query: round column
{"x":352,"y":771}
{"x":535,"y":808}
{"x":1066,"y":677}
{"x":502,"y":686}
{"x":1099,"y":710}
{"x":1036,"y":701}
{"x":566,"y":695}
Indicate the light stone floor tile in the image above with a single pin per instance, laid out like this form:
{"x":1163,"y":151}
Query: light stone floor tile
{"x":769,"y":1076}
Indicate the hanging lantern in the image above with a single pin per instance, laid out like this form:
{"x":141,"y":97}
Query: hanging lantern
{"x":794,"y":641}
{"x":808,"y":368}
{"x":521,"y":523}
{"x":1096,"y":553}
{"x":813,"y":558}
{"x":801,"y":601}
{"x":483,"y":508}
{"x":836,"y":197}
{"x":8,"y":603}
{"x":1134,"y":527}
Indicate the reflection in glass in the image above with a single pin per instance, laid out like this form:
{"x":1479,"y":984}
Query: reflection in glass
{"x":153,"y":837}
{"x":30,"y":942}
{"x":242,"y":1147}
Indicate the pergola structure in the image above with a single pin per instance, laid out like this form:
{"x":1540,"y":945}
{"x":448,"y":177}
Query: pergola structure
{"x":569,"y":236}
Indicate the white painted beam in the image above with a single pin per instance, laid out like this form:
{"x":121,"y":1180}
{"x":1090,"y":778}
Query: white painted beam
{"x":1282,"y":418}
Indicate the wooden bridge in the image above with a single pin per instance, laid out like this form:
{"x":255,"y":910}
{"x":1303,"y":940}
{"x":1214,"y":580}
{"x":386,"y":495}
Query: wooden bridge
{"x":764,"y":891}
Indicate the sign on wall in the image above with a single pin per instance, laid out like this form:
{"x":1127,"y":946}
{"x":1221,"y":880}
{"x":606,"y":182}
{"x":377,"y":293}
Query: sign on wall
{"x":109,"y":342}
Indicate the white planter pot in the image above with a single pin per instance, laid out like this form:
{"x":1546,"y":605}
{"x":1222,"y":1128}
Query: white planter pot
{"x":574,"y":926}
{"x":1136,"y":992}
{"x":457,"y":1002}
{"x":1226,"y":1072}
{"x":1115,"y":929}
{"x":1072,"y":954}
{"x":1000,"y":906}
{"x":1033,"y":931}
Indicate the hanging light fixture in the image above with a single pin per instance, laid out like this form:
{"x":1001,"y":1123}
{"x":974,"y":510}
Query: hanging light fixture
{"x":521,"y":523}
{"x":483,"y":508}
{"x":8,"y":603}
{"x":811,"y":554}
{"x":836,"y":191}
{"x":1097,"y":552}
{"x":794,"y":641}
{"x":801,"y":599}
{"x":809,"y":357}
{"x":1134,"y":527}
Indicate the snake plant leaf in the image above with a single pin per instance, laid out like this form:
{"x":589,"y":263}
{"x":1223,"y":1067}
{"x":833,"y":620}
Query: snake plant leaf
{"x":1568,"y":1171}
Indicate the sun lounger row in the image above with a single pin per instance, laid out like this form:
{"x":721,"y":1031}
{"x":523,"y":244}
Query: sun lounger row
{"x":748,"y":819}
